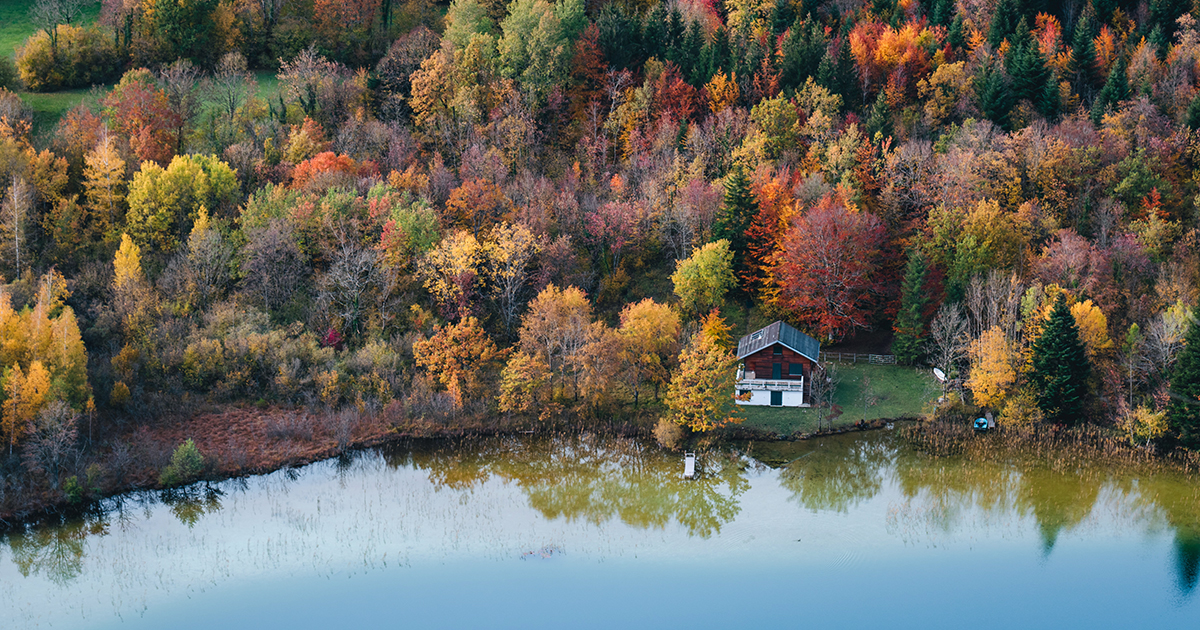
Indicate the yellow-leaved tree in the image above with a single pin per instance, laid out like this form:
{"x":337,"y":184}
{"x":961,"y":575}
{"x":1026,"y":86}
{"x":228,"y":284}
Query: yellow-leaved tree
{"x":104,"y":183}
{"x":649,"y":337}
{"x":524,"y":383}
{"x":451,"y":273}
{"x":509,"y":251}
{"x":127,"y":264}
{"x":24,"y":397}
{"x":701,"y":393}
{"x":1093,"y":328}
{"x":42,"y":357}
{"x":992,"y":374}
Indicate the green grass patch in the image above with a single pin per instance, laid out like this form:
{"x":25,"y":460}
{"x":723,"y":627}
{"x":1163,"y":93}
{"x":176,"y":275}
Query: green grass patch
{"x":893,"y":392}
{"x":15,"y":26}
{"x":48,"y":107}
{"x":268,"y":84}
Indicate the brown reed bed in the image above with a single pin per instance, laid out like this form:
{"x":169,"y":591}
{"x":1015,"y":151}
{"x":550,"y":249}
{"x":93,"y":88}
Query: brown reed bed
{"x":1054,"y":446}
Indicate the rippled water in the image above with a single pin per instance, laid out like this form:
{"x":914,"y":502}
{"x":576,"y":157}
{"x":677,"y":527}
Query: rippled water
{"x":856,"y":531}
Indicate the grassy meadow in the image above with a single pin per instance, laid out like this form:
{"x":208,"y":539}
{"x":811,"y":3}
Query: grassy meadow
{"x":15,"y":25}
{"x":894,"y":391}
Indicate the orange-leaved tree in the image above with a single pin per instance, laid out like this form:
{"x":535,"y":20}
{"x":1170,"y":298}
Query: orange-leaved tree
{"x":460,"y":356}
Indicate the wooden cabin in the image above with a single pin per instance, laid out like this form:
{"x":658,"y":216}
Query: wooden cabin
{"x":777,"y":363}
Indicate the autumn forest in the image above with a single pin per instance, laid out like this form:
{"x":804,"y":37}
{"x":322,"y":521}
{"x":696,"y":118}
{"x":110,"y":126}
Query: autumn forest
{"x":409,"y":216}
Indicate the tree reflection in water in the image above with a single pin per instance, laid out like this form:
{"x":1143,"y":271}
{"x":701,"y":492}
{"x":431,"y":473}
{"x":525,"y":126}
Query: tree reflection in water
{"x":594,"y":479}
{"x":947,"y":488}
{"x":1058,"y":500}
{"x":601,"y":480}
{"x":838,"y":474}
{"x":1177,"y":500}
{"x":55,"y":550}
{"x":190,"y":503}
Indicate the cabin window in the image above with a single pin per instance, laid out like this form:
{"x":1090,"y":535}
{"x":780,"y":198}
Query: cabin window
{"x":742,"y":393}
{"x":796,"y":369}
{"x":756,"y":336}
{"x":777,"y":350}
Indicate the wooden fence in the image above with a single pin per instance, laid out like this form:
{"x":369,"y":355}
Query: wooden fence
{"x":856,"y":357}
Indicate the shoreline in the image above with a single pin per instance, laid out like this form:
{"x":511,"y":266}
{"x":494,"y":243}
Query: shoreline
{"x":233,"y":453}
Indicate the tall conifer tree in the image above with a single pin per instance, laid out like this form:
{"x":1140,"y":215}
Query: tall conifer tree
{"x":1183,"y":410}
{"x":735,"y":217}
{"x":910,"y":322}
{"x":1060,"y":367}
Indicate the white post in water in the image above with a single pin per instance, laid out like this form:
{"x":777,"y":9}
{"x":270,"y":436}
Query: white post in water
{"x":689,"y":465}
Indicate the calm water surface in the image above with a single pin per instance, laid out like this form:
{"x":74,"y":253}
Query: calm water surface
{"x":855,"y":532}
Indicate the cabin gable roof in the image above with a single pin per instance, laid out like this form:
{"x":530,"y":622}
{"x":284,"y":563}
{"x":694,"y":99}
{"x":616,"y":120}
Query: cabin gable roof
{"x":781,"y":333}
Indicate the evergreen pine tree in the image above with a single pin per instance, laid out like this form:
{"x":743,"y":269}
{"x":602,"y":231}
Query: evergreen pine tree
{"x":943,"y":13}
{"x":1183,"y":410}
{"x":654,"y":32}
{"x":1060,"y":367}
{"x":1193,"y":116}
{"x":717,"y":54}
{"x":1116,"y":89}
{"x":880,"y":119}
{"x":1026,"y":66}
{"x":1049,"y":102}
{"x":735,"y":216}
{"x":803,"y":49}
{"x":675,"y":28}
{"x":910,"y":324}
{"x":955,"y":36}
{"x":995,"y":99}
{"x":783,"y":15}
{"x":1004,"y":21}
{"x":837,"y":74}
{"x":689,"y":55}
{"x":1104,"y":10}
{"x":1083,"y":52}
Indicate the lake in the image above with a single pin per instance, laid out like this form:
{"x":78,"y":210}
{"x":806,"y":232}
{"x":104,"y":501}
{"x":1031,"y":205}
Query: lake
{"x":852,"y":531}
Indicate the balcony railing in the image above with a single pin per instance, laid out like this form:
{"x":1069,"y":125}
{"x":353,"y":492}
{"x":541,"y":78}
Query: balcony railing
{"x":770,"y":385}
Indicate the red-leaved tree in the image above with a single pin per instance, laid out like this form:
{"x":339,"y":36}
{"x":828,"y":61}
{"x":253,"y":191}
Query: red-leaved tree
{"x":823,"y":273}
{"x":141,"y":112}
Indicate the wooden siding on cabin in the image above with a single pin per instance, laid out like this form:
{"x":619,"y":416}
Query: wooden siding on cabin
{"x":761,"y":363}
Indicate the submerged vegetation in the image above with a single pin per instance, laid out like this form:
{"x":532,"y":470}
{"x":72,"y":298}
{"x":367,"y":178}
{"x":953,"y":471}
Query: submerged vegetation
{"x":449,"y":219}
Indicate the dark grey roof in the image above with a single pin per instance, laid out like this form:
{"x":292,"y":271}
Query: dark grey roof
{"x":779,"y":332}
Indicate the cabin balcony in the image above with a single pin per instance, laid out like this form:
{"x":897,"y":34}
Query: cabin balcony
{"x":757,"y":384}
{"x":770,"y":392}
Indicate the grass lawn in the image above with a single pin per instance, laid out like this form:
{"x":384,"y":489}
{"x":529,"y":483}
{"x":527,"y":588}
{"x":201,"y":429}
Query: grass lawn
{"x":15,"y":26}
{"x":48,"y":107}
{"x":268,"y":84}
{"x":895,"y":391}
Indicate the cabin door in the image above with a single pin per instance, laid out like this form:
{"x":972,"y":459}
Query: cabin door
{"x":776,"y":399}
{"x":776,"y":371}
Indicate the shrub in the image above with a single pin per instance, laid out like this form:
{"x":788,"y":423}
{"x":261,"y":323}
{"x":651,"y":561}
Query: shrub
{"x":120,"y":394}
{"x":86,"y":56}
{"x":186,"y":465}
{"x":9,"y":80}
{"x":669,"y":433}
{"x":14,"y":113}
